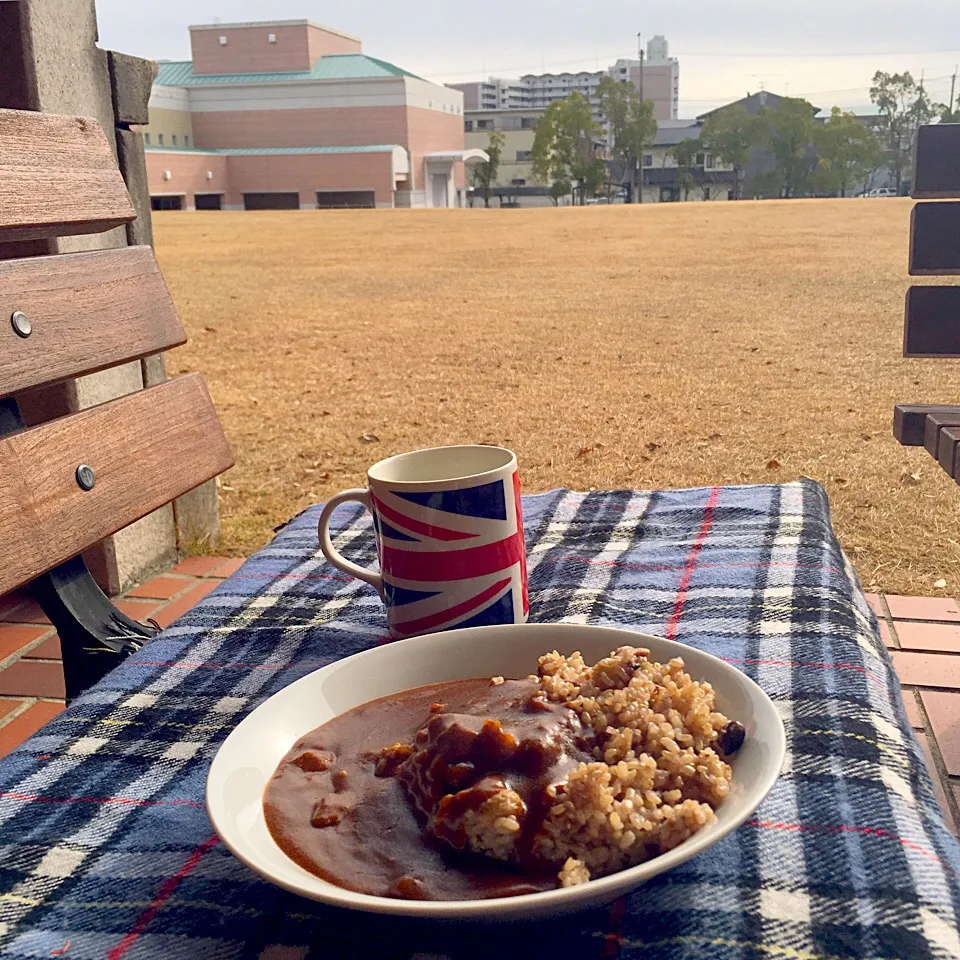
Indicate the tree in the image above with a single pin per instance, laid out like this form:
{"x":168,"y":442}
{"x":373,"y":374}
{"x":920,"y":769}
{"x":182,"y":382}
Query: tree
{"x":632,"y":126}
{"x":846,"y":150}
{"x":904,"y":106}
{"x":789,"y":131}
{"x":685,"y":153}
{"x":558,"y":190}
{"x":949,"y":112}
{"x":731,"y":133}
{"x":484,"y":175}
{"x":564,"y":145}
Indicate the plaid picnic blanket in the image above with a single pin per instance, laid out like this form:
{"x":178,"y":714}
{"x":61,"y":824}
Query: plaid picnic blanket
{"x":106,"y":849}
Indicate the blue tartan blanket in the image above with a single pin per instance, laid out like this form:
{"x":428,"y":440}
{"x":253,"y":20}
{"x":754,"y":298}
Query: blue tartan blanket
{"x":106,"y":849}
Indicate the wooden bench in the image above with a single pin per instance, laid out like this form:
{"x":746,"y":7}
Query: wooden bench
{"x":68,"y":483}
{"x":932,"y":317}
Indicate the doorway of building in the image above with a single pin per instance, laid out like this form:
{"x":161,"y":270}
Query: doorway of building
{"x":271,"y":201}
{"x":208,"y":201}
{"x":167,"y":203}
{"x":438,"y":187}
{"x":346,"y":199}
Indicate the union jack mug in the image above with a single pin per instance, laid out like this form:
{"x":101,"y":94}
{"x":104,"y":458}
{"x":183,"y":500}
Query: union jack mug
{"x":449,"y":539}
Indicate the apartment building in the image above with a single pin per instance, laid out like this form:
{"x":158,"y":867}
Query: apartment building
{"x":536,"y":91}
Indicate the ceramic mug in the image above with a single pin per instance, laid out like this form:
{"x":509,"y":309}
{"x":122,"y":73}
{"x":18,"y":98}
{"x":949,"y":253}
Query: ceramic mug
{"x":449,"y":538}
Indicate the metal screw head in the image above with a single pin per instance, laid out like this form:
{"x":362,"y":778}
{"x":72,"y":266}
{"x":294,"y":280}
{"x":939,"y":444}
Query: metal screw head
{"x":85,"y":477}
{"x":21,"y":324}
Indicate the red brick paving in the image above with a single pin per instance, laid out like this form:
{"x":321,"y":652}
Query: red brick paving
{"x":48,"y":650}
{"x":27,"y":723}
{"x":16,"y":636}
{"x":913,"y":711}
{"x":942,"y":637}
{"x":31,"y":678}
{"x":923,"y":608}
{"x":928,"y":629}
{"x":162,"y":588}
{"x":27,"y":612}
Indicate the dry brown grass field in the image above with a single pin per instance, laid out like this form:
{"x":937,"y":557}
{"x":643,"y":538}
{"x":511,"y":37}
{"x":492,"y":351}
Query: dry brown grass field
{"x":668,"y":345}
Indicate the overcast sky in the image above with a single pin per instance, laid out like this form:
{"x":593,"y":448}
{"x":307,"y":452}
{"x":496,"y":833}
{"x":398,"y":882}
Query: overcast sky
{"x":726,"y":47}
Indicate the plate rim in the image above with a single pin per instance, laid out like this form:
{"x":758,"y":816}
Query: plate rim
{"x":559,"y":900}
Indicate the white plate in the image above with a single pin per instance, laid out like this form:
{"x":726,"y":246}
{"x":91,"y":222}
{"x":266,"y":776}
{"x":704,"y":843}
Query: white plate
{"x":248,"y":757}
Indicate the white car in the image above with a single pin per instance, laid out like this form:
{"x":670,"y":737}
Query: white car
{"x":882,"y":192}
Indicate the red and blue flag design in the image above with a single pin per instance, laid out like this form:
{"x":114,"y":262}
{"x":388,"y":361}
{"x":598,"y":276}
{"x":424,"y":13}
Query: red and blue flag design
{"x":452,"y":558}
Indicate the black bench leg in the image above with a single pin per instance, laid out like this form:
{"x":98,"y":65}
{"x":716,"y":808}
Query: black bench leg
{"x":94,"y":635}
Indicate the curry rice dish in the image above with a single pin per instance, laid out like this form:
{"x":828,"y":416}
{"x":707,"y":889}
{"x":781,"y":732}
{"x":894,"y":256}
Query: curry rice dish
{"x":484,"y":788}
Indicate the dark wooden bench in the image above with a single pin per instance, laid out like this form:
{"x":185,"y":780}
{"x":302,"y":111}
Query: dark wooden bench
{"x":932,"y":317}
{"x":67,"y":483}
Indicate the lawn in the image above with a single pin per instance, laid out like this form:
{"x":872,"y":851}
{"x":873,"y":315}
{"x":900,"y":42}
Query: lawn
{"x":669,"y":345}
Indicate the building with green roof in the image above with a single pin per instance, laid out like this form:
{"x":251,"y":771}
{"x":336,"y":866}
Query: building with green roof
{"x":290,"y":114}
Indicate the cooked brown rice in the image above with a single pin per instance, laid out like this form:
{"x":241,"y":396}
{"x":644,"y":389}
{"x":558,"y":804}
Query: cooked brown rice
{"x":656,"y":779}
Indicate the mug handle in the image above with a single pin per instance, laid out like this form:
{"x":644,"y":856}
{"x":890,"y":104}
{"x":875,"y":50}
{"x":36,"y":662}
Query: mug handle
{"x":330,"y":552}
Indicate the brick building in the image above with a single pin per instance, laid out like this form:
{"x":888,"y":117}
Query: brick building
{"x":289,"y":114}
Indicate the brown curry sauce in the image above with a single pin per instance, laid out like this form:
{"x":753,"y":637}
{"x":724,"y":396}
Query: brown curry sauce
{"x":329,"y":810}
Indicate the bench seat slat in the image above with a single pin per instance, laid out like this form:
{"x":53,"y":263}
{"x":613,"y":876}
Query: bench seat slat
{"x":146,"y":449}
{"x":88,"y":311}
{"x":58,"y":177}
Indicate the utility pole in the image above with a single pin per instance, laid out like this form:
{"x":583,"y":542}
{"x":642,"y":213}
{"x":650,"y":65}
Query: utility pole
{"x":640,"y":158}
{"x":953,"y":86}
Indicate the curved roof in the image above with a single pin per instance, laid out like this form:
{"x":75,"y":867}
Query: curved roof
{"x":337,"y":66}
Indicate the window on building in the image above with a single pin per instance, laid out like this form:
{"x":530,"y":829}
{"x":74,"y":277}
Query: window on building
{"x":518,"y":183}
{"x":484,"y":124}
{"x":223,"y":41}
{"x":524,"y":156}
{"x":709,"y":163}
{"x":186,"y":139}
{"x":146,"y":139}
{"x":160,"y":139}
{"x":468,"y":126}
{"x":173,"y":139}
{"x":271,"y":38}
{"x":700,"y":157}
{"x":648,"y":160}
{"x":528,"y":123}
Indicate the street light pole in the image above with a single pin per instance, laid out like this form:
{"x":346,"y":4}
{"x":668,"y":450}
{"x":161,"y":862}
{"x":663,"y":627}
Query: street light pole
{"x":640,"y":158}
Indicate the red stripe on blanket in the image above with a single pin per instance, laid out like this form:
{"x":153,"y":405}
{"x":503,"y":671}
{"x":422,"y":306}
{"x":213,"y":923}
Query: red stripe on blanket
{"x":846,"y":828}
{"x":695,"y":549}
{"x":163,"y":895}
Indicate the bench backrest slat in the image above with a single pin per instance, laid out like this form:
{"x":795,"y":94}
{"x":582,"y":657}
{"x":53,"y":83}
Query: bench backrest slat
{"x":931,"y":325}
{"x":58,"y":176}
{"x":86,"y":312}
{"x":145,"y":449}
{"x":937,"y":168}
{"x":935,"y":240}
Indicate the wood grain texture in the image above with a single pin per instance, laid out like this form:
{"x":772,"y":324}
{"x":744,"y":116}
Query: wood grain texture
{"x":89,"y":311}
{"x":937,"y":173}
{"x":146,"y":449}
{"x":909,"y":420}
{"x":58,"y":176}
{"x":935,"y":240}
{"x":931,"y":326}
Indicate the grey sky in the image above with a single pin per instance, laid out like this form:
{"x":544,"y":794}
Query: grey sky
{"x":726,"y":47}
